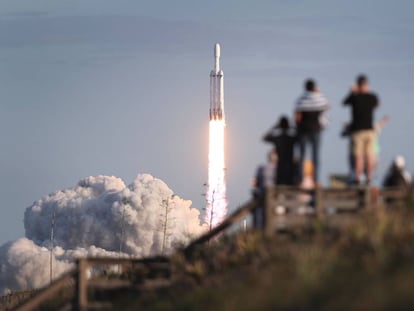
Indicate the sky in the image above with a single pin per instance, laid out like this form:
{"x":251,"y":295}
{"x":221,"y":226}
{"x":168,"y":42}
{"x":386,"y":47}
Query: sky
{"x":119,"y":88}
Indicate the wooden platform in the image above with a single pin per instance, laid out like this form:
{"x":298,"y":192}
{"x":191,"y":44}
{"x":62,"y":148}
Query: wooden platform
{"x":288,"y":207}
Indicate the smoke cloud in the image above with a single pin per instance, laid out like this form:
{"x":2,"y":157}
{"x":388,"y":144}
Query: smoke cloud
{"x":100,"y":216}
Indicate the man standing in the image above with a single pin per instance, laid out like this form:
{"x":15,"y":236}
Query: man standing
{"x":310,"y":120}
{"x":362,"y":103}
{"x":283,"y":137}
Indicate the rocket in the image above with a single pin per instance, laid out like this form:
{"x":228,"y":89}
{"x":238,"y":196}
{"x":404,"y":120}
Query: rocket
{"x":217,"y":88}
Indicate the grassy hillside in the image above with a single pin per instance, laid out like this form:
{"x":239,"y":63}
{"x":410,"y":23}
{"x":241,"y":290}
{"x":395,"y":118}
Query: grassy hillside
{"x":368,"y":266}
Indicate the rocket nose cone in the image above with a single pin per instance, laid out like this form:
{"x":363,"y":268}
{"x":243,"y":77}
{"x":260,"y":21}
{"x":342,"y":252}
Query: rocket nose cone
{"x":217,"y":50}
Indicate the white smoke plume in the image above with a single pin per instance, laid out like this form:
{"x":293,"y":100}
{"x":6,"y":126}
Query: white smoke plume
{"x":25,"y":265}
{"x":101,"y":216}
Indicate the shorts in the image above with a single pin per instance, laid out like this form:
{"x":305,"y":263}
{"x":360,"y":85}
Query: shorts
{"x":363,"y":142}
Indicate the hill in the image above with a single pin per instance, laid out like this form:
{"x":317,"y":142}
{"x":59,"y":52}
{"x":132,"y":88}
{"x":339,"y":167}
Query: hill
{"x":367,"y":266}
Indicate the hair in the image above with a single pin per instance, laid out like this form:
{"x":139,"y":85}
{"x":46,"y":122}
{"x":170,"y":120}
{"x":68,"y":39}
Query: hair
{"x":284,"y":123}
{"x":310,"y":85}
{"x":361,"y":80}
{"x":399,"y":162}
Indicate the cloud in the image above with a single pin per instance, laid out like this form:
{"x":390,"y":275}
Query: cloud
{"x":25,"y":265}
{"x":100,"y":216}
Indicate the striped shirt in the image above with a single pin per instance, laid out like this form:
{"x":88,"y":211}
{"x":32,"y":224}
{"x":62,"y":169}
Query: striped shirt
{"x":312,"y":106}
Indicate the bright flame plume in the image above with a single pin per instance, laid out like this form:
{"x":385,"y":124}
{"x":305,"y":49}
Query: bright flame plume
{"x":216,"y":209}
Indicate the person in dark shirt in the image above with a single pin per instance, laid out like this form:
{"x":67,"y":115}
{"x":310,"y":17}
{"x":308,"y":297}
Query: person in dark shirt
{"x":264,"y":179}
{"x":363,"y":136}
{"x":310,"y":116}
{"x":283,"y":137}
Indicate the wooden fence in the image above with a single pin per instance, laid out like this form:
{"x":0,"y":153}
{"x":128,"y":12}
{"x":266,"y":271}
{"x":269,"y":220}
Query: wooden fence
{"x":234,"y":218}
{"x":287,"y":207}
{"x":63,"y":286}
{"x":73,"y":289}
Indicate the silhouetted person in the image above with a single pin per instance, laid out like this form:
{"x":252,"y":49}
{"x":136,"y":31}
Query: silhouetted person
{"x":397,"y":176}
{"x":264,"y":179}
{"x":283,"y":137}
{"x":363,"y":136}
{"x":310,"y":117}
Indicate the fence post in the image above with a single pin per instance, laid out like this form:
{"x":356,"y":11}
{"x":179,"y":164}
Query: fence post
{"x":271,"y":193}
{"x":82,"y":285}
{"x":374,"y":192}
{"x":318,"y":202}
{"x":367,"y":197}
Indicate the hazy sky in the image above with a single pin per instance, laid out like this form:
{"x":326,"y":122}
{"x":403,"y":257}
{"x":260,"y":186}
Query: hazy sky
{"x":122,"y":87}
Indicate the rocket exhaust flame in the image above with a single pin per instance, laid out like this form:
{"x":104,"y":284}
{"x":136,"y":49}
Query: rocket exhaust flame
{"x":216,"y":209}
{"x":216,"y":194}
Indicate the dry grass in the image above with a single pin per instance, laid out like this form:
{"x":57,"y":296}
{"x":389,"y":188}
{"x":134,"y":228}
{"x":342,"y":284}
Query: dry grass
{"x":367,"y":266}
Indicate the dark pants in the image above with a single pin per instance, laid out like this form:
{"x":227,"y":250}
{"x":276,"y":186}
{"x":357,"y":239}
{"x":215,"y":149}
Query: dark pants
{"x":259,"y":213}
{"x":314,"y":139}
{"x":258,"y":217}
{"x":285,"y":173}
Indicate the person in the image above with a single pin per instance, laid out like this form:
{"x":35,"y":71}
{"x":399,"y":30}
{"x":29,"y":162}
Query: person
{"x":363,"y":137}
{"x":310,"y":117}
{"x":264,"y":179}
{"x":397,"y":176}
{"x":283,"y":137}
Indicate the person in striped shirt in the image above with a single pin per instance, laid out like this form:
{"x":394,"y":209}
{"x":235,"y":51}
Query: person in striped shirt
{"x":310,"y":117}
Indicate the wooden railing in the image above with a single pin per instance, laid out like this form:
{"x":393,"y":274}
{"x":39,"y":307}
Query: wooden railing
{"x":235,"y":217}
{"x":146,"y":267}
{"x":93,"y":273}
{"x":65,"y":284}
{"x":287,"y":207}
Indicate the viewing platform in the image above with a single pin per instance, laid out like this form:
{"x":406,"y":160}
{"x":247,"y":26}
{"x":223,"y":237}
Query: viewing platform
{"x":287,"y":207}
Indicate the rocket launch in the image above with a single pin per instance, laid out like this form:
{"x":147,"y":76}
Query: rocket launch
{"x":216,"y":88}
{"x":216,"y":209}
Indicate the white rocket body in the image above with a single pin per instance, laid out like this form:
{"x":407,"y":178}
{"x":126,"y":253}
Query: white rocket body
{"x":217,"y":88}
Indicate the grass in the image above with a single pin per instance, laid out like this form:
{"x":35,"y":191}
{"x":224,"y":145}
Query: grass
{"x":368,"y":265}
